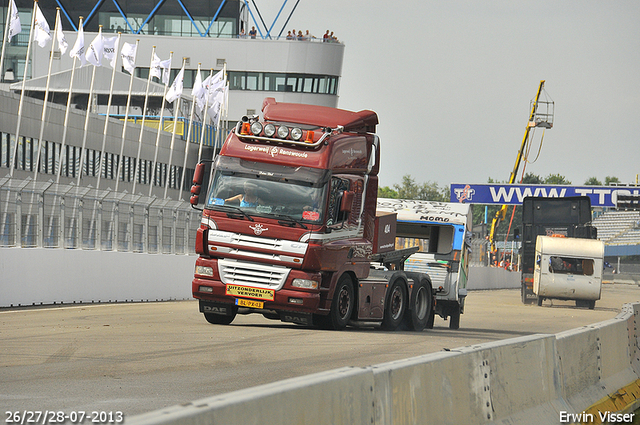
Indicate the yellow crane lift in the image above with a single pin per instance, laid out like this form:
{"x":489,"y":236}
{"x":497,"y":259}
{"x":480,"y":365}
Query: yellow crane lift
{"x":541,"y":116}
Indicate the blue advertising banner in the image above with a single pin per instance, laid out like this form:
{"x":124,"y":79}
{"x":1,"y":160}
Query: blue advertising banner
{"x":513,"y":194}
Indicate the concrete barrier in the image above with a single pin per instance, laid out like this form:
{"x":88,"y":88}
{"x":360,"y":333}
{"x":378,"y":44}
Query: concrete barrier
{"x":341,"y":397}
{"x":528,"y":380}
{"x":492,"y":278}
{"x":34,"y":276}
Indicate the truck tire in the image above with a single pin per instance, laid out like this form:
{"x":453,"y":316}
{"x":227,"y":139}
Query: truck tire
{"x":343,"y":304}
{"x":432,"y":317}
{"x":540,"y":299}
{"x":420,"y":307}
{"x":221,"y":319}
{"x":396,"y":304}
{"x":454,"y":317}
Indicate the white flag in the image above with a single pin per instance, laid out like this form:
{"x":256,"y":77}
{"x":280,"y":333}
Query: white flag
{"x":15,"y":27}
{"x":176,"y":87}
{"x":160,"y":69}
{"x":214,"y":86}
{"x":95,"y":51}
{"x":128,"y":54}
{"x":62,"y":42}
{"x":166,"y":69}
{"x":77,"y":51}
{"x":41,"y":31}
{"x":214,"y":111}
{"x":199,"y":92}
{"x":109,"y":49}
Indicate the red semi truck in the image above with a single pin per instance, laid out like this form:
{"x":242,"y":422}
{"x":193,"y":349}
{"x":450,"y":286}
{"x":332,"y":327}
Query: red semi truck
{"x":289,"y":227}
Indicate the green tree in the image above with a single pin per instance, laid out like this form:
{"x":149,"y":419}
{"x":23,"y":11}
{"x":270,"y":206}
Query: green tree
{"x":592,"y":181}
{"x":556,"y":179}
{"x":531,"y":178}
{"x":610,"y":179}
{"x":409,"y":189}
{"x":387,"y":192}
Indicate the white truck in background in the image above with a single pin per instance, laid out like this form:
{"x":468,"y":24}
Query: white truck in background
{"x":568,"y":269}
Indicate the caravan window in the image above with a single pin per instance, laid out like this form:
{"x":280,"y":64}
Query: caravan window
{"x":570,"y":265}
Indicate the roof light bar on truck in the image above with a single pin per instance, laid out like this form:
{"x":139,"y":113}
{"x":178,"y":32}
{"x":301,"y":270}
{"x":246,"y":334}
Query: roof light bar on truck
{"x":249,"y":127}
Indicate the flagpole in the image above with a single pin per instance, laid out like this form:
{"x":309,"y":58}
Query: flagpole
{"x":204,"y":118}
{"x":66,"y":114}
{"x":5,"y":37}
{"x":24,"y":77}
{"x":176,"y":104}
{"x":223,"y":107}
{"x":160,"y":128}
{"x":144,"y":115}
{"x":106,"y":118}
{"x":46,"y":98}
{"x":126,"y":121}
{"x":218,"y":135}
{"x":89,"y":101}
{"x":186,"y":145}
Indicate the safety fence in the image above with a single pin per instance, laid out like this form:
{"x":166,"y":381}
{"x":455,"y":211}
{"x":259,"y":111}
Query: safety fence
{"x":49,"y":215}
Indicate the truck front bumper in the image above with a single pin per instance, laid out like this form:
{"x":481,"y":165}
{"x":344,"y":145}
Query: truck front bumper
{"x":285,"y":299}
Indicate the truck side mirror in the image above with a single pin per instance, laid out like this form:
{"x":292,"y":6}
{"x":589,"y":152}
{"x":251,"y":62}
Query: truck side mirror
{"x":347,"y":201}
{"x":197,"y":184}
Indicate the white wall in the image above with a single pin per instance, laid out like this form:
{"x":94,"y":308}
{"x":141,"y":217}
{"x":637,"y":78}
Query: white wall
{"x":33,"y":276}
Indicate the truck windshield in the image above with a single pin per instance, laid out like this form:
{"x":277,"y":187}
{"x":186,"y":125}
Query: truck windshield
{"x":262,"y":189}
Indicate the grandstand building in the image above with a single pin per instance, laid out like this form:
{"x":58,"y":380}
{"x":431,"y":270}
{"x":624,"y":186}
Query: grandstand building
{"x":208,"y":33}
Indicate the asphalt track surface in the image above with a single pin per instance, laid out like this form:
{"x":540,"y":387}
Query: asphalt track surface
{"x":135,"y":358}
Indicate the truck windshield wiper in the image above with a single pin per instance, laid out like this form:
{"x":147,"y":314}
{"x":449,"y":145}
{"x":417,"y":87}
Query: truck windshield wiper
{"x":285,"y":220}
{"x":236,"y":211}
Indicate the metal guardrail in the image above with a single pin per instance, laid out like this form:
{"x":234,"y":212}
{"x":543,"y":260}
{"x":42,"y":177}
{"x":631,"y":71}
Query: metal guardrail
{"x":50,"y":215}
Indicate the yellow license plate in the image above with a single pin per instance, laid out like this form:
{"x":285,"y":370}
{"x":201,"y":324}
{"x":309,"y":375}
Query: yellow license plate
{"x":250,"y":292}
{"x":249,"y":303}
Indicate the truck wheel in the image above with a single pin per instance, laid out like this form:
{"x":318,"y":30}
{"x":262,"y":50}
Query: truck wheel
{"x":396,"y":305}
{"x":454,"y":318}
{"x":421,"y":308}
{"x":540,"y":299}
{"x":432,"y":317}
{"x":342,"y":304}
{"x":221,"y":319}
{"x":592,"y":304}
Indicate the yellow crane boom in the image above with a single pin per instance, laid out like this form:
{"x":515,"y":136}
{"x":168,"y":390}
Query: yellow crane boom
{"x":533,"y":122}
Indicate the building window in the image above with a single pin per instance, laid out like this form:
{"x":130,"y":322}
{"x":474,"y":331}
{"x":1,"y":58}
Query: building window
{"x":282,"y":82}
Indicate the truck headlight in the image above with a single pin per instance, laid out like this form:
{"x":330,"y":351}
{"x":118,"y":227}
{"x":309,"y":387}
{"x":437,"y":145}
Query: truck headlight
{"x":296,"y":133}
{"x":256,"y":128}
{"x":269,"y":130}
{"x":204,"y":270}
{"x":305,"y":283}
{"x":283,"y":131}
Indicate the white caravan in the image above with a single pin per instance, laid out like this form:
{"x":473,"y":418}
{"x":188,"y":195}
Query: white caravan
{"x":568,"y":269}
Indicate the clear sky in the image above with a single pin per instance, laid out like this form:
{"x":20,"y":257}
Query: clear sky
{"x":452,"y":82}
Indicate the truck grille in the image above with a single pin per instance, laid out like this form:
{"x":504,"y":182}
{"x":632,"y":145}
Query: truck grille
{"x":252,"y":274}
{"x":248,"y":242}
